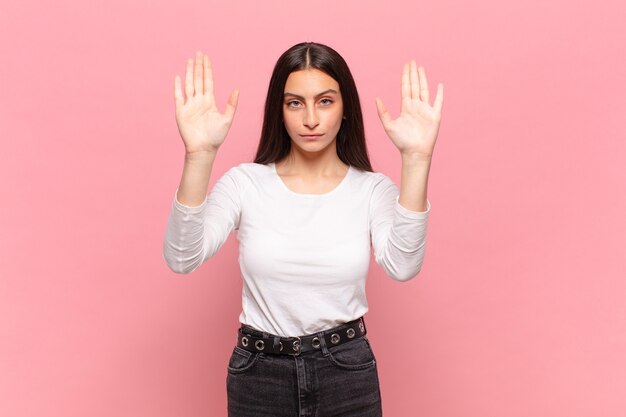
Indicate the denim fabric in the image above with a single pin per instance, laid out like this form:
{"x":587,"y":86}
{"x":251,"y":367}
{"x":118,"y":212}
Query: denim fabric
{"x":339,"y":381}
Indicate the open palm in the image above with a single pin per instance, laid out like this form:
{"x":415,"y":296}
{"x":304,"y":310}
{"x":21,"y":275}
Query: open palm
{"x":415,"y":130}
{"x":201,"y":125}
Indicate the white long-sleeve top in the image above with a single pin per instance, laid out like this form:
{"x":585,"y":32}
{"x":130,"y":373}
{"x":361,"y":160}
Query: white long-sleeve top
{"x":304,"y":258}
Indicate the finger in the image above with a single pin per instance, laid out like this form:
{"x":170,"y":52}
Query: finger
{"x":197,"y":78}
{"x":439,"y":98}
{"x":415,"y":81}
{"x":424,"y":93}
{"x":406,"y":84}
{"x":383,"y":114}
{"x":208,"y":77}
{"x":189,"y":79}
{"x":231,"y":106}
{"x":178,"y":93}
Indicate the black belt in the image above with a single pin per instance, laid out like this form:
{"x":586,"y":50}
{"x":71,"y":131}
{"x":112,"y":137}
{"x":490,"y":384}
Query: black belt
{"x":301,"y":344}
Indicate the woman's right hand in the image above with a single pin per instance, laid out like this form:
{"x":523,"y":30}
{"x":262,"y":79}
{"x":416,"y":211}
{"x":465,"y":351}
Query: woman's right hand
{"x":202,"y":127}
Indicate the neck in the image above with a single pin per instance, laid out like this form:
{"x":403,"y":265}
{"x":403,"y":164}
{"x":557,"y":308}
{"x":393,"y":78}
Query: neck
{"x":308,"y":164}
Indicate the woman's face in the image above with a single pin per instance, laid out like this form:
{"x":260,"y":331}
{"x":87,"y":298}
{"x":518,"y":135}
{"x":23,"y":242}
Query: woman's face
{"x":312,"y":109}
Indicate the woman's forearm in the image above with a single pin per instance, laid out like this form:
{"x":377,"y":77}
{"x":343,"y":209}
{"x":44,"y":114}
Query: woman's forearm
{"x":414,"y":182}
{"x":194,"y":182}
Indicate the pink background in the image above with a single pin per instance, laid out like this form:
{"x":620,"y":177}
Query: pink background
{"x":520,"y":306}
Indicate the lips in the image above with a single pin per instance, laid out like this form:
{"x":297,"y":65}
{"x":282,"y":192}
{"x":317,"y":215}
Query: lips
{"x":312,"y":136}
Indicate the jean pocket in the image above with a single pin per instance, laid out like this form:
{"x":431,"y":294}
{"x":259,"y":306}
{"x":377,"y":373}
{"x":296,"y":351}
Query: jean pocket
{"x":353,"y":355}
{"x":241,"y":360}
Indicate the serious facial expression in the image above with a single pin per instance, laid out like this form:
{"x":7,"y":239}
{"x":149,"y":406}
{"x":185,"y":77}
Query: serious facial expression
{"x":312,"y":109}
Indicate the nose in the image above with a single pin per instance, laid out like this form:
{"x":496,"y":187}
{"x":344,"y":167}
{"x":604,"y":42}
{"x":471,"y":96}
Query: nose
{"x":311,"y":118}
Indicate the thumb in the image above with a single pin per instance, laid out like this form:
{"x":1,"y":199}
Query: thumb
{"x":231,"y":106}
{"x":383,"y":114}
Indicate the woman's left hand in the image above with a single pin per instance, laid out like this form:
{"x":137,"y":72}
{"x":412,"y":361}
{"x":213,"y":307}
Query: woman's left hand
{"x":415,"y":131}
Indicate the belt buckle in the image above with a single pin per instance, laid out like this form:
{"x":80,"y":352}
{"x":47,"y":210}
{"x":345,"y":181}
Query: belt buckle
{"x":296,"y":346}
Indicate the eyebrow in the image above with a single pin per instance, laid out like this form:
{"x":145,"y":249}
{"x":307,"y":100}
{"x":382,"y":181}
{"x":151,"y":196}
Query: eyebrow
{"x":330,"y":90}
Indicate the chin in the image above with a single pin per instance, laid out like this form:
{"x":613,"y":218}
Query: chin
{"x":312,"y":146}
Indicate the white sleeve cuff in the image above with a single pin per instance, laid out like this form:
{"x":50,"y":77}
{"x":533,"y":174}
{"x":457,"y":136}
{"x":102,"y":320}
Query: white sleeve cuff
{"x":410,"y":213}
{"x":187,"y":209}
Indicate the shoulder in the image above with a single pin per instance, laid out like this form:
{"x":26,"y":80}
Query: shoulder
{"x":372,"y":180}
{"x":250,"y":170}
{"x":247,"y":173}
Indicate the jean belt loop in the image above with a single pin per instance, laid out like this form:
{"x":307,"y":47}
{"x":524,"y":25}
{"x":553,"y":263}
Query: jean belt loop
{"x":277,"y":345}
{"x":323,"y":342}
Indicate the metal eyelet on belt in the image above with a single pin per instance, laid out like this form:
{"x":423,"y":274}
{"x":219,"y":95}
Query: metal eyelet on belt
{"x":351,"y":333}
{"x":281,"y":346}
{"x":296,"y":345}
{"x":244,"y":341}
{"x":334,"y":338}
{"x":259,"y":344}
{"x":316,"y":342}
{"x":361,"y":327}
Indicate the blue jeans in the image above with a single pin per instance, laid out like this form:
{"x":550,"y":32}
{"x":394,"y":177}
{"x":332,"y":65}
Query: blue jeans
{"x":339,"y":381}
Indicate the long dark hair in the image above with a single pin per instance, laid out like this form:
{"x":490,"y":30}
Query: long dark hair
{"x":275,"y":142}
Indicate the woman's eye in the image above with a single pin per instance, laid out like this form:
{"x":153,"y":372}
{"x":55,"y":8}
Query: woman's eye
{"x":293,"y":103}
{"x":326,"y":101}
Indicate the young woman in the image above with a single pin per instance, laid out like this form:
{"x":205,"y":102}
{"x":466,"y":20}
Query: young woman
{"x":307,"y":212}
